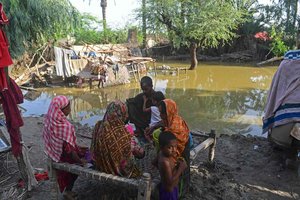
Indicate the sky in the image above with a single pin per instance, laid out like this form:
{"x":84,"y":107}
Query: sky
{"x":118,"y":12}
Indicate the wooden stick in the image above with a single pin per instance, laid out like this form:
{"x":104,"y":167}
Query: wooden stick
{"x":28,"y":88}
{"x":270,"y":60}
{"x":212,"y":148}
{"x":96,"y":175}
{"x":201,"y":146}
{"x":37,"y":71}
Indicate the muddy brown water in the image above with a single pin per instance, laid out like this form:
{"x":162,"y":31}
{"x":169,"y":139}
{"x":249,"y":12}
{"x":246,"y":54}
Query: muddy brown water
{"x":229,"y":99}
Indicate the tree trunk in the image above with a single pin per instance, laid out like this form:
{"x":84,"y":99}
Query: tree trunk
{"x":144,"y":23}
{"x":288,"y":13}
{"x":193,"y":53}
{"x":104,"y":5}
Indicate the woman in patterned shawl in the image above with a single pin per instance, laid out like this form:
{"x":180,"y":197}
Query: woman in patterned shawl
{"x":112,"y":143}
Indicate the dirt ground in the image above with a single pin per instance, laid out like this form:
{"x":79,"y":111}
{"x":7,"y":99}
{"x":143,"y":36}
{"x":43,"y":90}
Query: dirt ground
{"x":245,"y":167}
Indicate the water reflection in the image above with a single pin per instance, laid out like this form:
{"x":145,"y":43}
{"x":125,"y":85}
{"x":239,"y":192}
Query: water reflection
{"x":228,"y":99}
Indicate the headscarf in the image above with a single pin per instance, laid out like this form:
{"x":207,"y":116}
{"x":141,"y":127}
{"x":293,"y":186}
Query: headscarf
{"x":57,"y":128}
{"x":176,"y":125}
{"x":111,"y":140}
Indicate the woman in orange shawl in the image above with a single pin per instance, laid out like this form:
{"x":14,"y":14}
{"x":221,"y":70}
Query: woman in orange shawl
{"x":112,"y":143}
{"x":175,"y":124}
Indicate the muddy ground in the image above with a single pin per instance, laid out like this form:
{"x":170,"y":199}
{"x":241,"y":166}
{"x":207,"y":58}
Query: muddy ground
{"x":245,"y":167}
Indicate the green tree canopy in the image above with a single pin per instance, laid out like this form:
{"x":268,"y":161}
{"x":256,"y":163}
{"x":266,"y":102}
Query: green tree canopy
{"x":33,"y":23}
{"x":196,"y":24}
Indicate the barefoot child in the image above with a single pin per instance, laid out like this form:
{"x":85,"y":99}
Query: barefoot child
{"x":169,"y":170}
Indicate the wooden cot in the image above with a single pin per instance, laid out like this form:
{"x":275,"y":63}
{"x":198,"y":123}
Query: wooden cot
{"x":143,"y":185}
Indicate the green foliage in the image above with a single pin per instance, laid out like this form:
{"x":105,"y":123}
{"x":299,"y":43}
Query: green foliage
{"x":206,"y":23}
{"x":98,"y":37}
{"x":32,"y":23}
{"x":278,"y":46}
{"x":88,"y":32}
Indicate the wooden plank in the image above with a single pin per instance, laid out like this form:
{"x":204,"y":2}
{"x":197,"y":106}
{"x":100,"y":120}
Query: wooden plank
{"x":96,"y":175}
{"x":201,"y":147}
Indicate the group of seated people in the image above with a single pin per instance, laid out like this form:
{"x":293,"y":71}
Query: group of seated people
{"x":116,"y":144}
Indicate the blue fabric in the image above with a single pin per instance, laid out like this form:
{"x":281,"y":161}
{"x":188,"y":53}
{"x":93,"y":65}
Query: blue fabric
{"x":92,"y":54}
{"x":165,"y":195}
{"x":191,"y":141}
{"x":292,"y":55}
{"x":284,"y":114}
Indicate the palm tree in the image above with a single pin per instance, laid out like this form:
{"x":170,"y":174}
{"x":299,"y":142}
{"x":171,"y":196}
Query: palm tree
{"x":103,"y":6}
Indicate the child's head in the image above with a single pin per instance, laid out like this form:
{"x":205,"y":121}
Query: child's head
{"x":157,"y":97}
{"x":146,"y":85}
{"x":167,"y":143}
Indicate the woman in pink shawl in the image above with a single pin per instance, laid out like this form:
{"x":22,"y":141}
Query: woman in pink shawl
{"x":60,"y":142}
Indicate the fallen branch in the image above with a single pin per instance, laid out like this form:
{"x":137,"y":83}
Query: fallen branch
{"x":269,"y":60}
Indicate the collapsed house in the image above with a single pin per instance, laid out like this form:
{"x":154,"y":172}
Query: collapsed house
{"x":109,"y":64}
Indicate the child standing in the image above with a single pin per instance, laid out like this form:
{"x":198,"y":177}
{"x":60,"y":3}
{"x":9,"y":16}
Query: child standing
{"x":155,"y":114}
{"x":169,"y":170}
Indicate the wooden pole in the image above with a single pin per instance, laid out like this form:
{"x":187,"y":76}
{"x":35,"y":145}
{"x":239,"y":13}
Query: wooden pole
{"x":144,"y":188}
{"x":133,"y":71}
{"x":200,"y":147}
{"x":212,"y":147}
{"x":53,"y":181}
{"x":138,"y":71}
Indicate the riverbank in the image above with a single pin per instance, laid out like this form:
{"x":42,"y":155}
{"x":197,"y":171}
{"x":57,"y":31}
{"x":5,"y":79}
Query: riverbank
{"x":246,"y":167}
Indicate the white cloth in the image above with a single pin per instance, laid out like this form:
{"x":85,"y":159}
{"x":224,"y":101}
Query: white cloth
{"x":155,"y":116}
{"x":58,"y":61}
{"x":62,"y":62}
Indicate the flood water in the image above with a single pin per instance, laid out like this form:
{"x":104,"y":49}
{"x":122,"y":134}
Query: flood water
{"x":229,"y":99}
